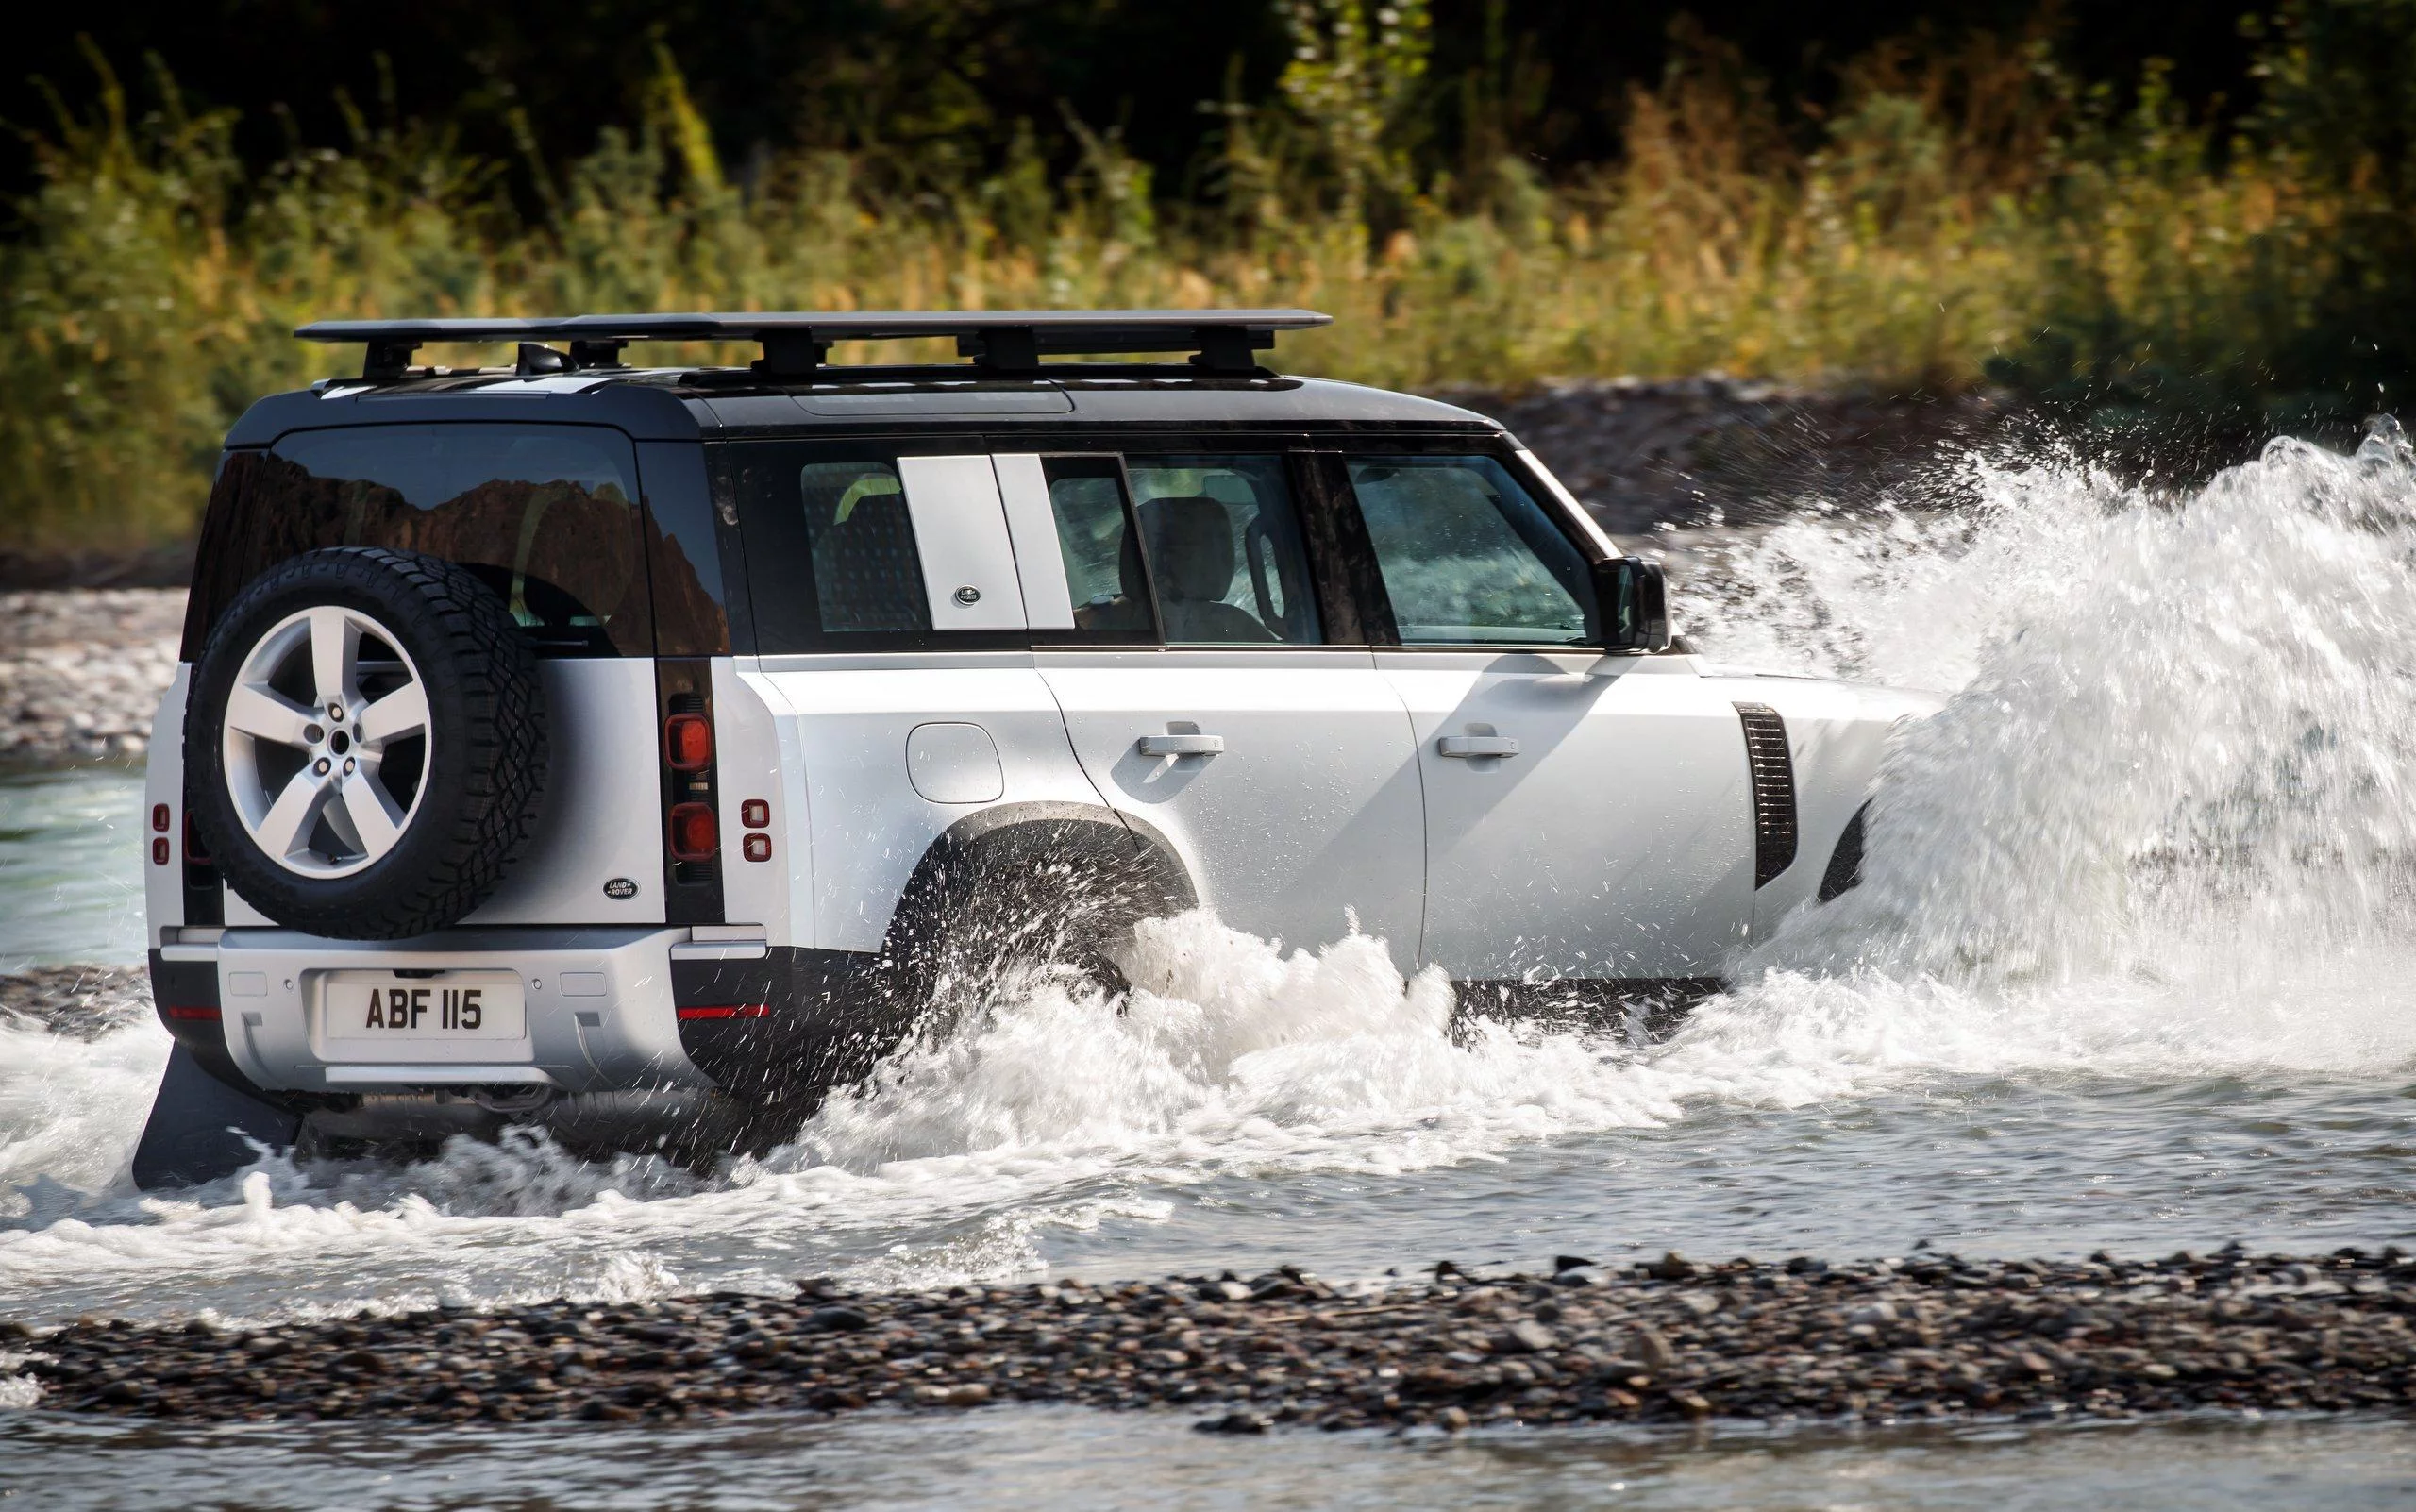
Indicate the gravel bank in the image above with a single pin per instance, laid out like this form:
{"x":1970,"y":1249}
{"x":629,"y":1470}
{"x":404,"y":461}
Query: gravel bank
{"x":81,"y":672}
{"x":1926,"y":1337}
{"x":1710,"y":450}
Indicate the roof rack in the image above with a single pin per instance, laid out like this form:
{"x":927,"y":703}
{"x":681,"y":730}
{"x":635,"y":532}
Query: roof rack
{"x":797,"y":344}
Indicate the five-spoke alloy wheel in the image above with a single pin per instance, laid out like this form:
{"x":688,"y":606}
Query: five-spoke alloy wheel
{"x":327,"y":742}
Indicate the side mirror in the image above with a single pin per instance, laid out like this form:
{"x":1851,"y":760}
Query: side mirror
{"x":1631,"y":601}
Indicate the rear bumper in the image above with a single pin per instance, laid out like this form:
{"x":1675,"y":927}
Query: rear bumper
{"x":601,"y":1015}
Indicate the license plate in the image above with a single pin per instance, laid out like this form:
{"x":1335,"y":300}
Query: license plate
{"x":387,"y":1009}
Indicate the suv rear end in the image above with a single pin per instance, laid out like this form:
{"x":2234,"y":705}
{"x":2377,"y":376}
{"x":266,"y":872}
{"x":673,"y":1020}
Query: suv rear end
{"x":582,"y":508}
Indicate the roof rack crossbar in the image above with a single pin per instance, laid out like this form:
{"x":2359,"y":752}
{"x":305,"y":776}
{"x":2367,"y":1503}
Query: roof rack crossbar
{"x":798,"y":343}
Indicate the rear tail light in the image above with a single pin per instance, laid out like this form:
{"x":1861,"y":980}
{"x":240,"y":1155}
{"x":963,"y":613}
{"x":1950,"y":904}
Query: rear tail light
{"x":690,"y":791}
{"x":195,"y":852}
{"x":687,"y":743}
{"x":696,"y":835}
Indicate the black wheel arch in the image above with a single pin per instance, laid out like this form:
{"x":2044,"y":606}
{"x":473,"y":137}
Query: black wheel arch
{"x":1130,"y":855}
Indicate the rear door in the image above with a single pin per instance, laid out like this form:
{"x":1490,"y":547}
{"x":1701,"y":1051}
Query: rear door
{"x":1175,"y":618}
{"x":1587,"y":816}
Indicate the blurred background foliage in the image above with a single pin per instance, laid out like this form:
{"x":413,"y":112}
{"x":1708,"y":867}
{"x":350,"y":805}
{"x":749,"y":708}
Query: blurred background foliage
{"x":2179,"y":219}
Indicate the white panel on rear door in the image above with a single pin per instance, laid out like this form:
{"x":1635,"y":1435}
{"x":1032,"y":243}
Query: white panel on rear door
{"x":1306,"y":816}
{"x":960,"y":535}
{"x":1032,"y":525}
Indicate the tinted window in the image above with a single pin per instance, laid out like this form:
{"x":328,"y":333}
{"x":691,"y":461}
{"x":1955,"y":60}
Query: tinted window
{"x":866,"y":574}
{"x":1468,"y":557}
{"x":831,"y":563}
{"x":547,"y":515}
{"x":1103,"y":572}
{"x":1223,"y":544}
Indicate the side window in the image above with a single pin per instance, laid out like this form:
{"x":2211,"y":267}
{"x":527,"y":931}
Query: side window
{"x":547,"y":515}
{"x":866,"y":574}
{"x":831,"y":555}
{"x":1103,"y":572}
{"x":1223,"y":546}
{"x":1468,"y":557}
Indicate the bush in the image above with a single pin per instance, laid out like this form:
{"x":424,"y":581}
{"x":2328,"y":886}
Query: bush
{"x":1965,"y":215}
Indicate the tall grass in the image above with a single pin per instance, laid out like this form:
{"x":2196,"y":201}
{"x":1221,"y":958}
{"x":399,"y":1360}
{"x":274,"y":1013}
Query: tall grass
{"x":1960,"y":215}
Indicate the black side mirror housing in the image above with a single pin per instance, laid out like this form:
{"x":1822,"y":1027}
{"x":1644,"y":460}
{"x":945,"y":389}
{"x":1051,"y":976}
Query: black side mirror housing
{"x":1632,"y":602}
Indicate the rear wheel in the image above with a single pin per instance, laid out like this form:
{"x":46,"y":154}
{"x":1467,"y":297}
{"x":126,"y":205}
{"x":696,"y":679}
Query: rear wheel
{"x":366,"y":741}
{"x":1045,"y":896}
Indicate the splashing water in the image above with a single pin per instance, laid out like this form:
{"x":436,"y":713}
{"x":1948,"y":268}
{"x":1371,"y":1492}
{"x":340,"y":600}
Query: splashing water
{"x":2157,"y":841}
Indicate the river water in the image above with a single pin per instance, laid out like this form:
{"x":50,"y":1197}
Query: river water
{"x":2130,"y":968}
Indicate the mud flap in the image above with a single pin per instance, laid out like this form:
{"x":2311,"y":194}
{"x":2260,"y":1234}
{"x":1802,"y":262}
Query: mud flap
{"x":200,"y":1126}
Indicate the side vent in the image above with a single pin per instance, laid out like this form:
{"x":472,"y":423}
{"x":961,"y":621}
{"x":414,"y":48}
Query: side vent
{"x":1773,"y":772}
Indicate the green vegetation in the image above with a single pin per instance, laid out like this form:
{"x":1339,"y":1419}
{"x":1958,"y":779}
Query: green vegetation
{"x":1965,"y":213}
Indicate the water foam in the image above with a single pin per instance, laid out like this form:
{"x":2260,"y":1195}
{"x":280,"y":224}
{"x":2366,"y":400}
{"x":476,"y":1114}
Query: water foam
{"x":2158,"y":830}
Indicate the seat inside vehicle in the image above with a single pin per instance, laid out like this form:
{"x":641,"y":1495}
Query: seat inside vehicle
{"x":1191,"y":550}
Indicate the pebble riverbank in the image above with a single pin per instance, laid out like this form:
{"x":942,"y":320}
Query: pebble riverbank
{"x":80,"y":1001}
{"x":1924,"y":1337}
{"x":81,"y":672}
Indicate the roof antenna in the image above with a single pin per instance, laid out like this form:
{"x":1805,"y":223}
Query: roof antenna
{"x":535,"y":359}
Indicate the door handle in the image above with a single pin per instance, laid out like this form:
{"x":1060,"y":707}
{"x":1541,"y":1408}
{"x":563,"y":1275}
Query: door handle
{"x":1472,"y":748}
{"x":1183,"y":744}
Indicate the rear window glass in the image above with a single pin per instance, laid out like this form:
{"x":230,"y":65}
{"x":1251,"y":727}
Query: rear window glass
{"x":547,"y":515}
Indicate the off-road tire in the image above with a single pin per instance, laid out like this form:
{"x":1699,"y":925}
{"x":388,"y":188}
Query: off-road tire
{"x":486,"y":761}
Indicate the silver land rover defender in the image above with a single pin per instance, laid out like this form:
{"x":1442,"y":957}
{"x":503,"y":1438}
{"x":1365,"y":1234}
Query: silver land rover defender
{"x":640,"y":752}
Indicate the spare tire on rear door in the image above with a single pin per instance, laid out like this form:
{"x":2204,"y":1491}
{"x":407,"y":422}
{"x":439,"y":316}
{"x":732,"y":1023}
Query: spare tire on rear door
{"x":365,"y":743}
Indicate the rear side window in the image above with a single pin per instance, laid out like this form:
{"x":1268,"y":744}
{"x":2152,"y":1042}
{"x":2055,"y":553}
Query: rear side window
{"x":867,"y":575}
{"x":831,"y":563}
{"x":1223,"y":544}
{"x":547,"y":516}
{"x":1468,"y":557}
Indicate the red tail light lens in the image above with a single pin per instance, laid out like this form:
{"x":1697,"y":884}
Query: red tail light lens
{"x":694,"y":833}
{"x":159,"y":817}
{"x":195,"y":851}
{"x":687,"y":742}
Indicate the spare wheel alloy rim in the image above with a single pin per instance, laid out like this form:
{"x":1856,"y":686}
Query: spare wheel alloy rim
{"x":326,"y":742}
